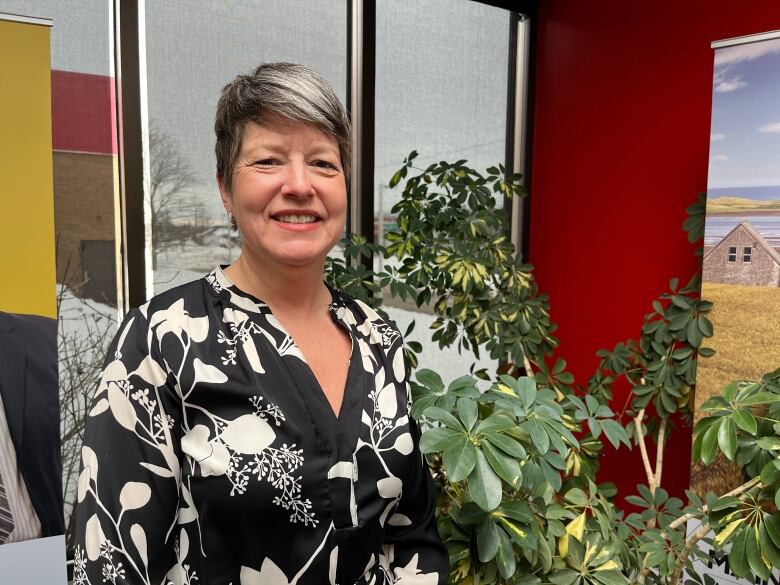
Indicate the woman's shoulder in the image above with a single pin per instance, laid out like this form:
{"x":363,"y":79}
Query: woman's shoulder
{"x":190,"y":298}
{"x":367,"y":318}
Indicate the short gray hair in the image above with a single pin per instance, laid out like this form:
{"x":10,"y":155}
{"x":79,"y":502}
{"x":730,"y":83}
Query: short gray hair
{"x":282,"y":89}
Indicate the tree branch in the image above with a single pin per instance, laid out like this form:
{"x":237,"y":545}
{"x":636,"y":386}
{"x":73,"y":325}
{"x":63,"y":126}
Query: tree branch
{"x":659,"y":452}
{"x":745,"y":487}
{"x":694,"y":539}
{"x":640,"y":437}
{"x":527,"y":364}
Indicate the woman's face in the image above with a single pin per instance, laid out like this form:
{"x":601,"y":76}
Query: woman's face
{"x":289,"y":195}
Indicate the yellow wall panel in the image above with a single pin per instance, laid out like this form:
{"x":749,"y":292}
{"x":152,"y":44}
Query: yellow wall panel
{"x":26,"y":192}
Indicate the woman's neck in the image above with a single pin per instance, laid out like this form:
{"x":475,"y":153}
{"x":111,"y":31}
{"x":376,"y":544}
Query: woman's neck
{"x":286,"y":289}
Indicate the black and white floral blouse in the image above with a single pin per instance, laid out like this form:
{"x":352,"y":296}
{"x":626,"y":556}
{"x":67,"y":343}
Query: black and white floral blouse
{"x":212,"y":457}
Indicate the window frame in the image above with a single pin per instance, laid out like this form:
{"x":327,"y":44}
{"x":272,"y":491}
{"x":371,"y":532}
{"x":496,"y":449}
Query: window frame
{"x":135,"y":241}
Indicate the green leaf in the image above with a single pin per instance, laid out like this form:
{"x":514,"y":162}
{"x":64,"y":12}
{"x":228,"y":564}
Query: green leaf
{"x":430,"y":379}
{"x":505,"y":558}
{"x":738,"y":556}
{"x":459,"y":459}
{"x":754,"y":555}
{"x":484,"y":484}
{"x":421,"y":404}
{"x":710,"y":442}
{"x":495,"y":423}
{"x":681,"y":301}
{"x":615,"y":432}
{"x":518,"y":510}
{"x":769,"y":443}
{"x":772,"y":524}
{"x":438,"y":439}
{"x":770,"y":473}
{"x":467,"y":411}
{"x":521,"y":536}
{"x":507,"y":445}
{"x":576,"y":496}
{"x":693,"y":334}
{"x":759,"y":398}
{"x":565,"y":577}
{"x":444,"y":417}
{"x":505,"y":466}
{"x":745,"y":421}
{"x":769,"y":549}
{"x":487,"y":540}
{"x":526,"y":389}
{"x":538,"y":436}
{"x":470,"y":514}
{"x":725,"y":502}
{"x":727,"y":438}
{"x":610,"y":577}
{"x":545,"y":554}
{"x":705,"y":326}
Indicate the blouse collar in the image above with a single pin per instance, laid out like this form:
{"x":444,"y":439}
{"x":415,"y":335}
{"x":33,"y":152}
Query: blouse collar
{"x":225,"y":287}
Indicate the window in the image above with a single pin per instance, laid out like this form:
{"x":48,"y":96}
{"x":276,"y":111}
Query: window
{"x":747,"y":253}
{"x":732,"y":253}
{"x":193,"y":48}
{"x":445,"y":114}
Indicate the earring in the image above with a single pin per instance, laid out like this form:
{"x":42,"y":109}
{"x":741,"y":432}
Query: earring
{"x":232,"y":220}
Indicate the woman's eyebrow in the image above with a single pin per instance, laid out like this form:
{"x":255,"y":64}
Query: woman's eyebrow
{"x":272,"y":145}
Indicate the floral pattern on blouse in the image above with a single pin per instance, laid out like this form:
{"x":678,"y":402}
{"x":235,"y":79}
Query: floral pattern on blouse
{"x":212,"y":457}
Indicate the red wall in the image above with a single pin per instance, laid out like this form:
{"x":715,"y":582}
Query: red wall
{"x":83,"y":115}
{"x":621,"y":139}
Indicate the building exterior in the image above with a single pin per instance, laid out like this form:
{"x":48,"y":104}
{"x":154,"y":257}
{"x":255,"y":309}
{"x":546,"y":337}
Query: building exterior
{"x":743,"y":256}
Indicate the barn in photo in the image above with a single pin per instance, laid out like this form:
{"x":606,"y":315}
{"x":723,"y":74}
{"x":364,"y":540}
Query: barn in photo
{"x":743,"y":256}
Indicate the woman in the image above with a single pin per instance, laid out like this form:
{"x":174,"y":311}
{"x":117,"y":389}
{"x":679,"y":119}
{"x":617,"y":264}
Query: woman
{"x":234,"y":440}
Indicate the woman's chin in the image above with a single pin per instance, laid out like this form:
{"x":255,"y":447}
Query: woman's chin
{"x":298,"y":258}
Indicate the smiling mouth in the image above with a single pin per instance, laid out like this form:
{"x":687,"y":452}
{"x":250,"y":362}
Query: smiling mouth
{"x":289,"y":218}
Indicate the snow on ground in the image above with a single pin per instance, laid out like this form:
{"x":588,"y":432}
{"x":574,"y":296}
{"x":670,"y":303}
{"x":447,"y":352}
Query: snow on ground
{"x":447,"y":362}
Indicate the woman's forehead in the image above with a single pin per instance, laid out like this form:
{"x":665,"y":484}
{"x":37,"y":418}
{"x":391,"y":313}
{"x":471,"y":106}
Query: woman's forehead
{"x":283,"y":133}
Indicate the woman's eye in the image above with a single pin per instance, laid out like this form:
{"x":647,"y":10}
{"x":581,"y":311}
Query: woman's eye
{"x":324,"y":164}
{"x":267,"y":162}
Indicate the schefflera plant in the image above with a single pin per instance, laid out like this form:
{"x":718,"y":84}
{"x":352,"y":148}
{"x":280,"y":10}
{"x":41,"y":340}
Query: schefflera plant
{"x":499,"y":455}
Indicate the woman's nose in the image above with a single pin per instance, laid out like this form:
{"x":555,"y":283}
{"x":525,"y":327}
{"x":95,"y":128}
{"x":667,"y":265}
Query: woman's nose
{"x":297,"y":182}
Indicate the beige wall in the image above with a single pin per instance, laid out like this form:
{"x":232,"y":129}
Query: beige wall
{"x":762,"y":270}
{"x":84,"y":187}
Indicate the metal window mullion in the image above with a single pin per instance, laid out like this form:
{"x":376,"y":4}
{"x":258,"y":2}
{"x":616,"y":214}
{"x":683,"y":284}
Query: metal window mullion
{"x":362,"y":61}
{"x":133,"y":167}
{"x":520,"y":132}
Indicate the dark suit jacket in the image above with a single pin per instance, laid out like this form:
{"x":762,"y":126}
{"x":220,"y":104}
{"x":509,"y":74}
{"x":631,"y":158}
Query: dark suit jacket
{"x":30,"y":392}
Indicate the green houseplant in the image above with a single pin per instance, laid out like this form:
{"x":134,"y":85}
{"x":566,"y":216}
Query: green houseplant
{"x":515,"y":452}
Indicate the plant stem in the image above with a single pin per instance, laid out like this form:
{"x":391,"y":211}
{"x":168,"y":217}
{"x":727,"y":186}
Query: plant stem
{"x":640,"y":437}
{"x":745,"y":487}
{"x":659,"y":452}
{"x":527,"y":364}
{"x":700,"y":533}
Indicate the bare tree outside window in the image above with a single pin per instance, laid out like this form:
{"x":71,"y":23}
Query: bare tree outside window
{"x":177,"y":214}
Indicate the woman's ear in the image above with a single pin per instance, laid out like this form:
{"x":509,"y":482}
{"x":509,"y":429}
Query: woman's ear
{"x":224,"y":193}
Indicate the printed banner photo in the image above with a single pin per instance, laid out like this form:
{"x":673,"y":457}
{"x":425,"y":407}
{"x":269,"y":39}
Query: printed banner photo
{"x":32,"y":545}
{"x":741,"y":257}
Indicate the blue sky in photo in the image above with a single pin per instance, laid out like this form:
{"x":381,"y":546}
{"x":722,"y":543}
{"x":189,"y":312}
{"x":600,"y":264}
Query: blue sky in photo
{"x":745,"y":135}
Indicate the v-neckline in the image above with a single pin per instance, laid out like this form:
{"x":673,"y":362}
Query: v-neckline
{"x":224,"y":283}
{"x":318,"y":390}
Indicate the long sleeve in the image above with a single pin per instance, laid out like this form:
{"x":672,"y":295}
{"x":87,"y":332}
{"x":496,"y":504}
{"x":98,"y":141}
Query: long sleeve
{"x":128,"y":488}
{"x":414,"y":552}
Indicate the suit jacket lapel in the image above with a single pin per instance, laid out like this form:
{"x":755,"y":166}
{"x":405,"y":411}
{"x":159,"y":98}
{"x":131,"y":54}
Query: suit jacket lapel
{"x":12,"y":384}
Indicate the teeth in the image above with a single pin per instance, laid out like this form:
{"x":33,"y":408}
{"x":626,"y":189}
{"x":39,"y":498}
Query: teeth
{"x":296,"y":218}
